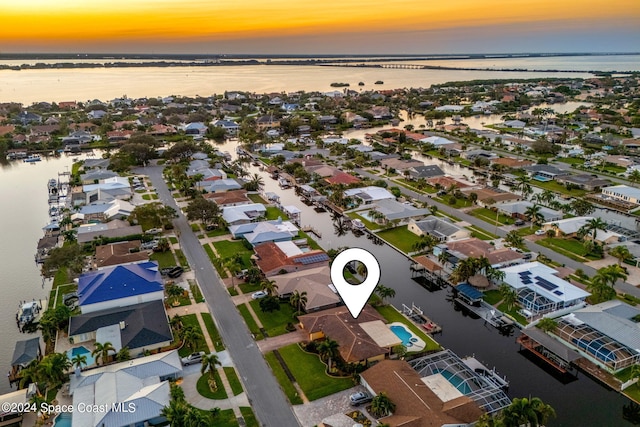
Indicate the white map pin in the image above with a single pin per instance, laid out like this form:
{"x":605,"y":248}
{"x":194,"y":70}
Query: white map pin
{"x":355,"y":296}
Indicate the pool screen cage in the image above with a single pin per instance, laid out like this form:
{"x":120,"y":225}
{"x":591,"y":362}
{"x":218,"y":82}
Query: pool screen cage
{"x":598,"y":347}
{"x":485,"y":393}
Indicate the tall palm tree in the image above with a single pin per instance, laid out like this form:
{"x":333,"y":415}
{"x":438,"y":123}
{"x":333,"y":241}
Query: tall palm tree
{"x":176,"y":412}
{"x":385,"y":292}
{"x":514,"y":239}
{"x":79,"y":360}
{"x":382,"y":406}
{"x":547,"y":324}
{"x":191,"y":337}
{"x":426,"y":243}
{"x":209,"y":364}
{"x":620,"y":252}
{"x":54,"y":367}
{"x":591,"y":227}
{"x":298,"y":300}
{"x":634,"y":176}
{"x":531,"y":412}
{"x":101,"y":351}
{"x":328,"y":350}
{"x":509,"y":295}
{"x":270,"y":287}
{"x":533,"y":214}
{"x":31,"y":374}
{"x":522,"y":185}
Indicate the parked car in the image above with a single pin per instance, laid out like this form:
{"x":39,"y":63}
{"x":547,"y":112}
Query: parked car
{"x":518,"y":222}
{"x":165,"y":270}
{"x":360,"y":398}
{"x":175,"y":272}
{"x":258,"y":295}
{"x":150,"y":245}
{"x":153,"y":231}
{"x":540,"y":232}
{"x":192,"y":358}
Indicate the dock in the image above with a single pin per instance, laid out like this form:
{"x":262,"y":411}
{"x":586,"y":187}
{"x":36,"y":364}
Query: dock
{"x":471,"y":298}
{"x":417,"y":316}
{"x":310,"y":229}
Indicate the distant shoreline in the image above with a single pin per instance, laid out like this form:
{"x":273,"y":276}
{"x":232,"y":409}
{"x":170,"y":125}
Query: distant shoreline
{"x":389,"y":61}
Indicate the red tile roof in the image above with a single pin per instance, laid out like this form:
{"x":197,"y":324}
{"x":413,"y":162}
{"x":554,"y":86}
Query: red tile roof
{"x":342,"y":178}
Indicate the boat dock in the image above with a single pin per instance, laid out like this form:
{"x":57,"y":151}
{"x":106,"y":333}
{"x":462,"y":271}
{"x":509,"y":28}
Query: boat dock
{"x":310,"y":229}
{"x":416,"y":315}
{"x":489,"y":374}
{"x":29,"y":313}
{"x":471,"y":298}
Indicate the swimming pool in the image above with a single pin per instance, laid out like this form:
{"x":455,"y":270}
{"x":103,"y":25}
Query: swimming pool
{"x":407,"y":338}
{"x":63,"y":419}
{"x":542,"y":178}
{"x":82,"y":350}
{"x":455,"y":381}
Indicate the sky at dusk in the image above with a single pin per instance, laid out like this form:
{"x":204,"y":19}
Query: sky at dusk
{"x":328,"y":27}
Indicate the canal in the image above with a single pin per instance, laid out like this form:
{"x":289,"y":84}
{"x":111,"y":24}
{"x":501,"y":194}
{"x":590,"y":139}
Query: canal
{"x":580,"y":402}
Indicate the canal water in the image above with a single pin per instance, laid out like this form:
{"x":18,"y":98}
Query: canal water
{"x":581,"y":402}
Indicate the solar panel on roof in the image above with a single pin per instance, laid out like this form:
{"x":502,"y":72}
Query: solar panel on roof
{"x":557,"y":292}
{"x":525,"y":273}
{"x":526,"y":281}
{"x":543,"y":283}
{"x":313,"y":258}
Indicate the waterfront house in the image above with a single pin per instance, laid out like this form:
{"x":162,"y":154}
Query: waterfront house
{"x":355,"y":345}
{"x":219,"y":185}
{"x":24,"y":352}
{"x":119,"y":286}
{"x":93,"y":176}
{"x":544,"y":172}
{"x":584,"y":181}
{"x":195,"y":129}
{"x":315,"y":282}
{"x":112,"y":229}
{"x":286,"y":257}
{"x":476,"y":248}
{"x":400,"y":165}
{"x":431,"y":401}
{"x":570,"y":227}
{"x":137,"y":327}
{"x":623,"y":193}
{"x":489,"y":196}
{"x":425,"y":171}
{"x":438,"y":228}
{"x":369,"y":195}
{"x":392,"y":210}
{"x":243,"y":214}
{"x":119,"y":253}
{"x":606,"y":334}
{"x":229,"y":198}
{"x":141,"y":383}
{"x":103,"y":210}
{"x":230,"y":127}
{"x":340,"y":177}
{"x":540,"y":290}
{"x":265,"y":231}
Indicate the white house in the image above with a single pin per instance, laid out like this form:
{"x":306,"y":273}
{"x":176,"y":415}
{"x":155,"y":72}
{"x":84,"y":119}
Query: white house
{"x":623,"y":192}
{"x":368,"y":195}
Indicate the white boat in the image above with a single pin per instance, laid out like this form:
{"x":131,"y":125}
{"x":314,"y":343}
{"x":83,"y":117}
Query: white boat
{"x":28,"y":312}
{"x":356,"y":223}
{"x":32,"y":158}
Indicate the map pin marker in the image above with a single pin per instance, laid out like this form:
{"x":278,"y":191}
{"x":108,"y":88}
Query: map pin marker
{"x":355,"y":296}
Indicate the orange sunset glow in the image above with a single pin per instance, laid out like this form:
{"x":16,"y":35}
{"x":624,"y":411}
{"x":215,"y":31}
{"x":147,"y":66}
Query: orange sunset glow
{"x":193,"y":24}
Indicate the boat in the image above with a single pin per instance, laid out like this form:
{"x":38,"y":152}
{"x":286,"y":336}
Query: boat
{"x":357,"y":224}
{"x":28,"y":313}
{"x":31,"y":158}
{"x":489,"y":374}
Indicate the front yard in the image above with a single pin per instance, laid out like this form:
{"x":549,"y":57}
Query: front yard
{"x":310,"y":375}
{"x":275,"y":322}
{"x":490,"y":216}
{"x":571,"y":248}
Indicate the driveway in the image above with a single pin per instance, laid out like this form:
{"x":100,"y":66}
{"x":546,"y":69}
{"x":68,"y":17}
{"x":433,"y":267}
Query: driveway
{"x":312,"y":413}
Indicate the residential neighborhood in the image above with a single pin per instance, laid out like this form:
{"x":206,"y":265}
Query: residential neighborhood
{"x":191,"y":258}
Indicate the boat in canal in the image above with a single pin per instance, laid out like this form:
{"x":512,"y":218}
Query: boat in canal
{"x":32,"y":158}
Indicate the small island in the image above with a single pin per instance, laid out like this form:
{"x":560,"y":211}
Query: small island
{"x":361,"y":84}
{"x":338,"y":84}
{"x":379,"y":82}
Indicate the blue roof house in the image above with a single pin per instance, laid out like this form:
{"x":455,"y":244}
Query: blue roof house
{"x":120,"y":286}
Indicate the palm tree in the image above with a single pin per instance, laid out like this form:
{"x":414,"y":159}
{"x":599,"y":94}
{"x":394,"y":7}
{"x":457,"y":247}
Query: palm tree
{"x":123,"y":354}
{"x":509,"y":295}
{"x":385,"y":292}
{"x":31,"y":374}
{"x":174,"y":292}
{"x":102,"y":350}
{"x":382,"y":406}
{"x":591,"y":227}
{"x":634,"y":176}
{"x":298,"y":300}
{"x":547,"y":324}
{"x":191,"y":337}
{"x":54,"y":369}
{"x":79,"y":360}
{"x":522,"y":185}
{"x":531,"y":412}
{"x":209,"y":364}
{"x":601,"y":285}
{"x":328,"y":350}
{"x":256,"y":182}
{"x":176,"y":412}
{"x":426,"y":243}
{"x":514,"y":239}
{"x":620,"y":252}
{"x":533,"y":214}
{"x":270,"y":287}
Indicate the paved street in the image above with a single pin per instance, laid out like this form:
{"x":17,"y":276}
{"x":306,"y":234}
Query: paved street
{"x":531,"y":246}
{"x":267,"y":399}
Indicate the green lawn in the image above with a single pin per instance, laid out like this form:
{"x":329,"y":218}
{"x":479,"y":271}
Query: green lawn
{"x":218,"y":232}
{"x":571,"y":248}
{"x":392,"y":315}
{"x":255,"y":198}
{"x":213,"y":331}
{"x":400,"y":237}
{"x":481,"y":234}
{"x":571,"y":160}
{"x":527,"y":230}
{"x":195,"y":228}
{"x":214,"y":260}
{"x":310,"y":375}
{"x":173,"y":240}
{"x":150,"y":196}
{"x":490,"y":216}
{"x":204,"y":390}
{"x":312,"y":243}
{"x":558,"y":188}
{"x":183,"y":259}
{"x":249,"y":417}
{"x":275,"y":213}
{"x":412,"y":185}
{"x":250,"y":321}
{"x":195,"y":291}
{"x":61,"y":277}
{"x":492,"y":297}
{"x":249,"y":288}
{"x":370,"y":225}
{"x":460,"y":203}
{"x":233,"y":379}
{"x":513,"y":313}
{"x":227,"y":249}
{"x":283,"y":380}
{"x":60,"y":291}
{"x":164,"y":259}
{"x":275,"y":322}
{"x":191,"y":319}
